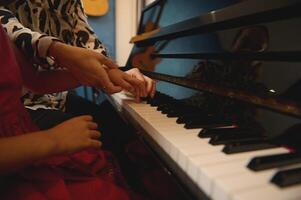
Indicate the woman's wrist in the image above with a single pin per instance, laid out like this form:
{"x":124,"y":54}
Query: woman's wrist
{"x":65,"y":56}
{"x":54,"y":52}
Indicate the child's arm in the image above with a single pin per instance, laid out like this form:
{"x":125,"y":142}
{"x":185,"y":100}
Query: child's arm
{"x":18,"y":151}
{"x":71,"y":136}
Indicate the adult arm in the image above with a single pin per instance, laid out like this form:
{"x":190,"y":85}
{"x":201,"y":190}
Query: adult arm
{"x":132,"y":80}
{"x":32,"y":43}
{"x":44,"y":82}
{"x":85,"y":65}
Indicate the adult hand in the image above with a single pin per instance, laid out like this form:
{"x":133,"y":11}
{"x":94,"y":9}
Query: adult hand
{"x":75,"y":134}
{"x":87,"y":66}
{"x":150,"y":84}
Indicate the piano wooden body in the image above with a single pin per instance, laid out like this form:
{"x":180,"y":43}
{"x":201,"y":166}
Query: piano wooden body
{"x":226,"y":120}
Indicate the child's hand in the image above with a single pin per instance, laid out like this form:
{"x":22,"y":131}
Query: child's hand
{"x":127,"y":82}
{"x":75,"y":134}
{"x":149,"y":83}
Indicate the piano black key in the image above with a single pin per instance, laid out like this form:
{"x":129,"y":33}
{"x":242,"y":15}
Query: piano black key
{"x":208,"y":122}
{"x":158,"y":99}
{"x":181,"y":111}
{"x":209,"y":125}
{"x":157,"y":102}
{"x":231,"y":138}
{"x":181,"y":120}
{"x":184,"y":118}
{"x":205,"y":133}
{"x":166,"y":108}
{"x":273,"y":161}
{"x":201,"y":119}
{"x":287,"y":178}
{"x":163,"y":106}
{"x":154,"y":102}
{"x":240,"y":147}
{"x":166,"y":105}
{"x":146,"y":99}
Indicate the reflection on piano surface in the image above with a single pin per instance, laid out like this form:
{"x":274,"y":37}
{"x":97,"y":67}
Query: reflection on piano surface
{"x":226,"y":119}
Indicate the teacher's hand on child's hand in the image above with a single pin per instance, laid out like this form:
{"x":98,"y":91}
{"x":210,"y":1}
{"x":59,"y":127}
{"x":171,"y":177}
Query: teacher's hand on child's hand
{"x":87,"y":66}
{"x":134,"y":82}
{"x":75,"y":134}
{"x":128,"y":82}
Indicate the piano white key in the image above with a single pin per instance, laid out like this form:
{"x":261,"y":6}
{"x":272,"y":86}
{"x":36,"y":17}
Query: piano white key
{"x":185,"y":153}
{"x":165,"y":133}
{"x":159,"y":124}
{"x":224,"y":188}
{"x":178,"y":141}
{"x":227,"y":186}
{"x":270,"y":192}
{"x":211,"y":166}
{"x":170,"y":135}
{"x":203,"y":147}
{"x":149,"y":114}
{"x":184,"y":142}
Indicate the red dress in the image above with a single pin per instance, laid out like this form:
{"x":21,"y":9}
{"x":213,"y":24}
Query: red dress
{"x":85,"y":175}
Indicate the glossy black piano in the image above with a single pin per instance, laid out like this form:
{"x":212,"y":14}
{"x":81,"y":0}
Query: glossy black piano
{"x":226,"y":120}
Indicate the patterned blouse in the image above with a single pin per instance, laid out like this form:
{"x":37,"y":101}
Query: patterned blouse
{"x":34,"y":24}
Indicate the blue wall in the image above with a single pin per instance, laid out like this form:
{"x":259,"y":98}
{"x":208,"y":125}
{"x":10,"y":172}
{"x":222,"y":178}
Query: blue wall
{"x":104,"y":27}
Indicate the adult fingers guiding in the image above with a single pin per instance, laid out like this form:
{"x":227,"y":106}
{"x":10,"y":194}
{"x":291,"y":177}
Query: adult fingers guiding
{"x":108,"y":62}
{"x":107,"y":85}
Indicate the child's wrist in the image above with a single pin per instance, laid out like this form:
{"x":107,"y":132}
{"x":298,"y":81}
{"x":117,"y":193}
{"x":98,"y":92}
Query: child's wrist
{"x":52,"y":142}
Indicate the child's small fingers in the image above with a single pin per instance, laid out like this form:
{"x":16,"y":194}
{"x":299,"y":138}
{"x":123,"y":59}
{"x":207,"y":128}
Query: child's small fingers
{"x":92,"y":125}
{"x":95,"y":134}
{"x":95,"y":144}
{"x":86,"y":117}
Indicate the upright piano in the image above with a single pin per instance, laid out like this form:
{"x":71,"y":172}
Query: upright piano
{"x":226,"y":118}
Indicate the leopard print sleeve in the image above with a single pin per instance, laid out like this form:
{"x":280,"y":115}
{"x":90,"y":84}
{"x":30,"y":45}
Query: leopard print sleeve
{"x":34,"y":44}
{"x":85,"y":36}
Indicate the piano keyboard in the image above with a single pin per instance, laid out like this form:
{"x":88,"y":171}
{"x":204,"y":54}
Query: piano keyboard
{"x":219,"y":175}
